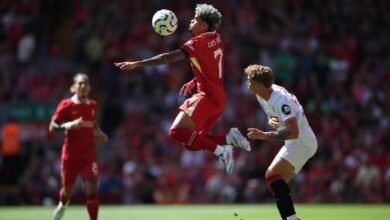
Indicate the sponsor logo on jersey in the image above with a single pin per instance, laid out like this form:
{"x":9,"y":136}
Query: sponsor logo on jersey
{"x":286,"y":109}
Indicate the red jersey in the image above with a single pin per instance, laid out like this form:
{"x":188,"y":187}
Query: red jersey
{"x":79,"y":143}
{"x":206,"y":53}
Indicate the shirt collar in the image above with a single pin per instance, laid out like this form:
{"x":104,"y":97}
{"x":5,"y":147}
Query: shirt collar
{"x":77,"y":101}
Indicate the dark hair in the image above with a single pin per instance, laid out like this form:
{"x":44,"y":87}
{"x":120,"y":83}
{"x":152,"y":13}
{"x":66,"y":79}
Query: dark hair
{"x":80,"y":75}
{"x":210,"y":15}
{"x":260,"y":73}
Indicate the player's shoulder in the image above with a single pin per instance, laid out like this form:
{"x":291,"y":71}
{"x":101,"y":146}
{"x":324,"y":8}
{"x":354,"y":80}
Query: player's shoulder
{"x":65,"y":102}
{"x":280,"y":90}
{"x":207,"y":36}
{"x":279,"y":93}
{"x":93,"y":102}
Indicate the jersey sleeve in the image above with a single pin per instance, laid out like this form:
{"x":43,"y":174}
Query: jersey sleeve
{"x":286,"y":107}
{"x":190,"y":46}
{"x":59,"y":115}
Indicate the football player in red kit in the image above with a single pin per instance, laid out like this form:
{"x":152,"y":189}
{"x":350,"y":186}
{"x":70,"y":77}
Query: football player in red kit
{"x":199,"y":114}
{"x":77,"y":116}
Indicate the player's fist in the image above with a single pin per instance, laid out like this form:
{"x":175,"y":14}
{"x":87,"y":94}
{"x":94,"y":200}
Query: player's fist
{"x":187,"y":88}
{"x":126,"y":65}
{"x":273,"y":122}
{"x":254,"y":133}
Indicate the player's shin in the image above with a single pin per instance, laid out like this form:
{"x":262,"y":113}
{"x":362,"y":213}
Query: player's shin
{"x":281,"y":193}
{"x":92,"y":206}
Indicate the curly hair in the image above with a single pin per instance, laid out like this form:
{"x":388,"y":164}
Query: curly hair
{"x":260,"y":73}
{"x":210,"y":15}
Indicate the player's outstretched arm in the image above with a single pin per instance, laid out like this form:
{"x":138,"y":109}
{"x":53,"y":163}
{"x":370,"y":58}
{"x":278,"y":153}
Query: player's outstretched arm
{"x":163,"y":58}
{"x":290,"y":132}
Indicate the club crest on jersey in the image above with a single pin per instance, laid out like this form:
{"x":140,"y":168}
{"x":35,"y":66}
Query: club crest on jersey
{"x":190,"y":44}
{"x":286,"y":109}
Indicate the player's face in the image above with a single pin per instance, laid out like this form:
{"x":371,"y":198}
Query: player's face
{"x":197,"y":25}
{"x":252,"y":85}
{"x":82,"y":87}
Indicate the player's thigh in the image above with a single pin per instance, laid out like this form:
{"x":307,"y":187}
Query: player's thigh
{"x":203,"y":111}
{"x":69,"y":172}
{"x":206,"y":127}
{"x":296,"y":155}
{"x":90,"y":170}
{"x":183,"y":120}
{"x":281,"y":167}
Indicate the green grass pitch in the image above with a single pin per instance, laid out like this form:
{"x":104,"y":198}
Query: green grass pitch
{"x":202,"y":212}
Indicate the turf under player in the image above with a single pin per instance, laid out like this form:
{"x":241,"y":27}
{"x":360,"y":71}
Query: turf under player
{"x":287,"y":117}
{"x":199,"y":114}
{"x":77,"y":116}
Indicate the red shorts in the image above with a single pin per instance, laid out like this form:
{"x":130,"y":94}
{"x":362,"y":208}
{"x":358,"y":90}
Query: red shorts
{"x":204,"y":111}
{"x":71,"y":168}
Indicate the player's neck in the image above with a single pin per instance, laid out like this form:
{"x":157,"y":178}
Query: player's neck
{"x":83,"y":100}
{"x":265,"y":93}
{"x":80,"y":99}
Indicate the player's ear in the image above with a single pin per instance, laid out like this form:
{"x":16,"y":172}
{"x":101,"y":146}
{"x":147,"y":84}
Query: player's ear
{"x":72,"y":89}
{"x":205,"y":26}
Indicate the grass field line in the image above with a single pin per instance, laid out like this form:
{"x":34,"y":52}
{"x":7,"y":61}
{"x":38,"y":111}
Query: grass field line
{"x":202,"y":212}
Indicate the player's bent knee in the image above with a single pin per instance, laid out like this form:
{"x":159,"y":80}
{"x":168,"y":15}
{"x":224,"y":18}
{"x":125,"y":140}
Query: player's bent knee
{"x":270,"y":178}
{"x":172,"y":132}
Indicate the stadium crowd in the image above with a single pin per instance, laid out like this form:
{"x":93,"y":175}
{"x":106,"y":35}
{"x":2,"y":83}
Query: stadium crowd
{"x":333,"y":55}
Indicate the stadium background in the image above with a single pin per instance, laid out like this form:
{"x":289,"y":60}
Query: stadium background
{"x":334,"y":55}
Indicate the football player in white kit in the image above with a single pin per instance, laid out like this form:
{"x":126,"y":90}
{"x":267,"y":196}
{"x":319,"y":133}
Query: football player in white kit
{"x":287,"y":117}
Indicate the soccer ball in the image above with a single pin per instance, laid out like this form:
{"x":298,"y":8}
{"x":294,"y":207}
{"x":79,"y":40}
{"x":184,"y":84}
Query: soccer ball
{"x":164,"y":22}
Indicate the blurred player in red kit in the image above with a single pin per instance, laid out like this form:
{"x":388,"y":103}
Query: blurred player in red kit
{"x":199,"y":114}
{"x":77,"y":116}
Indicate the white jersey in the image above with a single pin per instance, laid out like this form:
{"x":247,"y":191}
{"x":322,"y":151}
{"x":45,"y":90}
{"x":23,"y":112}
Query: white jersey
{"x":284,"y":106}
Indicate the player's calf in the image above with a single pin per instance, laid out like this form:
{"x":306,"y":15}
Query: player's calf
{"x":281,"y":193}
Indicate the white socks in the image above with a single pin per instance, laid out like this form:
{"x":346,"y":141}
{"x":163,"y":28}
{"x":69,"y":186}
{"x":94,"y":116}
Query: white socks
{"x":219,"y":150}
{"x":292,"y":217}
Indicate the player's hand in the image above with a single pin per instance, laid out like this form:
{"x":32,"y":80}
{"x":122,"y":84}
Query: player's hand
{"x":126,"y":65}
{"x":254,"y":133}
{"x":100,"y":135}
{"x":187,"y":88}
{"x":273,"y":122}
{"x":78,"y":123}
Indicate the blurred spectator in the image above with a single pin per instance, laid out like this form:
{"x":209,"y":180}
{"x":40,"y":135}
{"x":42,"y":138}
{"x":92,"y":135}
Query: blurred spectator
{"x":11,"y":166}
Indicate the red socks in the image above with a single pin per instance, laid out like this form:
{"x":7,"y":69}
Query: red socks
{"x":218,"y":139}
{"x":92,"y":206}
{"x":192,"y":140}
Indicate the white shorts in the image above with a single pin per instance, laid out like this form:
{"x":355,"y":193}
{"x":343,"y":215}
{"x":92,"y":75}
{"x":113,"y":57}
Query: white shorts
{"x":298,"y":152}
